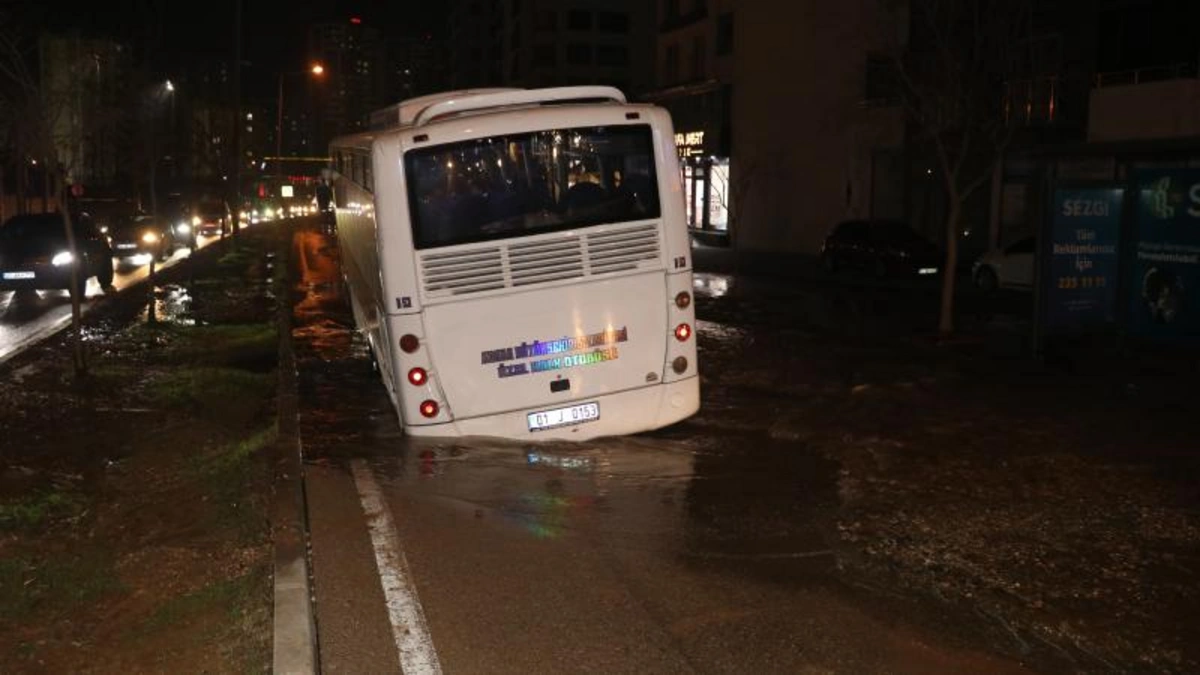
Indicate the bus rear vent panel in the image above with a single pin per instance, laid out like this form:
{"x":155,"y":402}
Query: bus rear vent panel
{"x":530,"y":262}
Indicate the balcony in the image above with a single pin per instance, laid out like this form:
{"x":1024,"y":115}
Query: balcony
{"x":1145,"y":104}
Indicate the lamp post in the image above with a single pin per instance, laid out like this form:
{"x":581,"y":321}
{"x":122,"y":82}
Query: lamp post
{"x":169,"y":90}
{"x":317,"y":70}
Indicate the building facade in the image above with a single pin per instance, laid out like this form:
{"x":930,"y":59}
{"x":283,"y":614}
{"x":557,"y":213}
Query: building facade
{"x":779,"y":132}
{"x":85,"y":84}
{"x":545,"y":43}
{"x":549,"y":43}
{"x":475,"y":53}
{"x":419,"y":66}
{"x":353,"y":84}
{"x":694,"y":73}
{"x":812,"y":145}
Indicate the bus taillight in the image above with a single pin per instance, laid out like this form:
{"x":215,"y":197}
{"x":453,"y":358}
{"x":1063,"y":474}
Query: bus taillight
{"x":418,"y":376}
{"x":429,"y":408}
{"x":683,"y":299}
{"x":683,"y":332}
{"x":409,"y":343}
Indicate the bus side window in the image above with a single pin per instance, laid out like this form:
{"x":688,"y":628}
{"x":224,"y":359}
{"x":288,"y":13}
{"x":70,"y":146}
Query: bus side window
{"x":368,"y":175}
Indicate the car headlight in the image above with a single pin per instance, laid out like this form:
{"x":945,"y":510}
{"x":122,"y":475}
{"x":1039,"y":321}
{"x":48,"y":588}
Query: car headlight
{"x":149,"y":238}
{"x":195,"y":221}
{"x":62,"y":258}
{"x":103,"y":229}
{"x":183,"y":228}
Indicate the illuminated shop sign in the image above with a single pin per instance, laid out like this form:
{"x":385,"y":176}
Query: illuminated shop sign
{"x":689,"y":143}
{"x":565,"y":352}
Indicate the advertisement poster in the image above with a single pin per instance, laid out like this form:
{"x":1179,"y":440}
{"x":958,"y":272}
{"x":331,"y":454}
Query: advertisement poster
{"x":1081,"y":289}
{"x":1165,"y":288}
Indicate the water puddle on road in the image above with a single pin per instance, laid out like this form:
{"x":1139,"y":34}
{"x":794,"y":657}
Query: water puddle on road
{"x":705,"y":284}
{"x":694,"y":492}
{"x":172,"y":304}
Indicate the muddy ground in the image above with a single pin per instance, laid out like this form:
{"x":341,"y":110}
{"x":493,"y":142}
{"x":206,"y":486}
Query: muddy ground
{"x":1050,"y":507}
{"x":133,"y":501}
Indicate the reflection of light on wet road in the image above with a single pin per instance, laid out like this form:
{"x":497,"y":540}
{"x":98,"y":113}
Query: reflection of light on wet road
{"x":723,"y":333}
{"x":319,"y":283}
{"x":711,"y":285}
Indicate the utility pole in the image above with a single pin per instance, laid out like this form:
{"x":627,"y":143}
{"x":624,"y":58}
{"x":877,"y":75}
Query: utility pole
{"x":279,"y":133}
{"x":238,"y":119}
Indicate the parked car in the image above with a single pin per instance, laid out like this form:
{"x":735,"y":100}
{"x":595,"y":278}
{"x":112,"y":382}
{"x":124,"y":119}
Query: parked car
{"x":140,"y":233}
{"x":34,"y":253}
{"x":883,"y":248}
{"x":1008,"y":267}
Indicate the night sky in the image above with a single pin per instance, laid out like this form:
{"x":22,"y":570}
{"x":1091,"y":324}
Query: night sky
{"x":174,"y":33}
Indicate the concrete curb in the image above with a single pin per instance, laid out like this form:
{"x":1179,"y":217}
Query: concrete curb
{"x":294,"y":630}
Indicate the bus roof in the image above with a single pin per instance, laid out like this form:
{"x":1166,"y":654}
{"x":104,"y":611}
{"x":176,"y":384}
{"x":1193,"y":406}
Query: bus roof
{"x":425,"y":109}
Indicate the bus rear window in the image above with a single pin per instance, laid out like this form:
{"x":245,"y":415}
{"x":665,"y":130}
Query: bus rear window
{"x":530,"y":183}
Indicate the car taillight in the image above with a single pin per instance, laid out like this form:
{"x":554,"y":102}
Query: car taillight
{"x":409,"y":343}
{"x":683,"y":300}
{"x":429,"y":408}
{"x":683,"y":332}
{"x":418,"y":376}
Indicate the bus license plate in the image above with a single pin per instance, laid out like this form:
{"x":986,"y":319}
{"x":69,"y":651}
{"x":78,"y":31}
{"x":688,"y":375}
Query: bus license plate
{"x":558,"y":417}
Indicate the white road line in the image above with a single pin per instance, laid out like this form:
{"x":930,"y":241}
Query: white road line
{"x":415,"y":646}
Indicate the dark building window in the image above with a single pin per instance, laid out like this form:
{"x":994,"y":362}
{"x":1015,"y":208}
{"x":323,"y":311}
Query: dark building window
{"x":516,"y":7}
{"x":476,"y":54}
{"x":612,"y":22}
{"x":699,"y":57}
{"x":544,"y":55}
{"x":515,"y":71}
{"x":578,"y":19}
{"x":579,"y":54}
{"x":516,"y":36}
{"x":547,"y":20}
{"x":672,"y":11}
{"x":612,"y":55}
{"x":725,"y":34}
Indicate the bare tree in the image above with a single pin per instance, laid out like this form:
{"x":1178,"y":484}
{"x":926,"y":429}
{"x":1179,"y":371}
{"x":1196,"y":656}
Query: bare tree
{"x":951,"y":79}
{"x":38,"y":112}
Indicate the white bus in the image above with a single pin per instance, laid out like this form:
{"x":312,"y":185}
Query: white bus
{"x":519,"y":263}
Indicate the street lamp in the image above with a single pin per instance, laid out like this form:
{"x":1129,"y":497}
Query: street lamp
{"x":156,"y":96}
{"x":316,"y":70}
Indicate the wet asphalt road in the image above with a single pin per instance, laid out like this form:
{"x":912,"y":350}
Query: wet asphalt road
{"x":29,"y":316}
{"x":700,"y":548}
